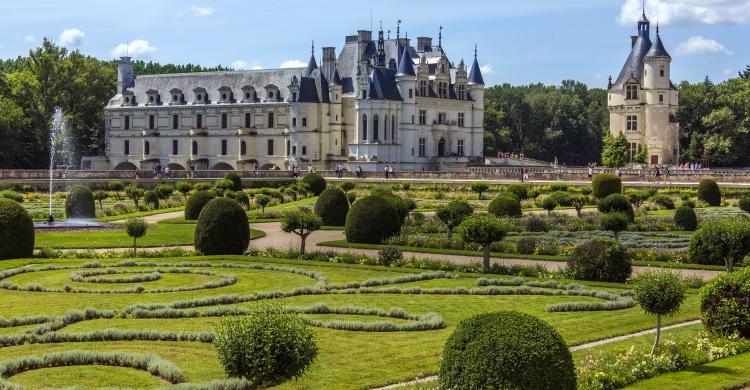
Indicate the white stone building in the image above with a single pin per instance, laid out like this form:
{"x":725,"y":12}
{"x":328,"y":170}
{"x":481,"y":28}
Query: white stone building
{"x":643,"y":101}
{"x":380,"y":102}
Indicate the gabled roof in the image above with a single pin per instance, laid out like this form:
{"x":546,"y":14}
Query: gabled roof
{"x":657,"y":49}
{"x":475,"y":74}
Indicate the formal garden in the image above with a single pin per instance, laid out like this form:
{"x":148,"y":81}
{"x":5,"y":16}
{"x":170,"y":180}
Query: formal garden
{"x":341,"y":285}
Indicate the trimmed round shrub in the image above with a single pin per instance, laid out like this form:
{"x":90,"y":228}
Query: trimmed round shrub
{"x":16,"y":231}
{"x":506,"y":350}
{"x":151,"y":199}
{"x":164,"y":191}
{"x":725,"y":304}
{"x":241,"y":198}
{"x":663,"y":201}
{"x":617,"y":203}
{"x":720,"y":242}
{"x":685,"y":218}
{"x":332,"y":207}
{"x":744,"y":204}
{"x":562,"y":198}
{"x":222,"y":228}
{"x":527,"y":245}
{"x":519,"y":190}
{"x":371,"y":220}
{"x":505,"y":205}
{"x":315,"y":182}
{"x":708,"y":191}
{"x":235,"y":179}
{"x":402,"y":205}
{"x":602,"y":260}
{"x":266,"y":347}
{"x":605,"y":184}
{"x":80,"y":203}
{"x":195,"y":204}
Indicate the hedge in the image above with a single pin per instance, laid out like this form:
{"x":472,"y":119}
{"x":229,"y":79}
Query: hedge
{"x":371,"y":220}
{"x":222,"y":228}
{"x":195,"y":204}
{"x":80,"y":203}
{"x":332,"y":206}
{"x":16,"y":231}
{"x":605,"y":184}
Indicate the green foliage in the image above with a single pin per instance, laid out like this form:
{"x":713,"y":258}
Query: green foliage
{"x":602,"y":260}
{"x":203,"y":186}
{"x":136,"y":228}
{"x":267,"y":347}
{"x":720,"y":242}
{"x":347,"y":186}
{"x":664,"y":201}
{"x":195,"y":204}
{"x":579,"y":202}
{"x":12,"y":195}
{"x":549,"y":203}
{"x":80,"y":203}
{"x":519,"y":190}
{"x":708,"y":191}
{"x":483,"y":230}
{"x":301,"y":224}
{"x":505,"y":205}
{"x":389,"y":254}
{"x":725,"y":304}
{"x":605,"y":184}
{"x":240,"y":197}
{"x":222,"y":228}
{"x":164,"y":191}
{"x":223,"y":186}
{"x":562,"y":198}
{"x":116,"y":186}
{"x":535,"y":224}
{"x":99,"y":196}
{"x":615,"y":222}
{"x":453,"y":214}
{"x":16,"y":231}
{"x":617,"y":203}
{"x":151,"y":199}
{"x":641,"y":156}
{"x":315,"y":182}
{"x":685,"y":218}
{"x":235,"y":179}
{"x":371,"y":220}
{"x":637,"y":197}
{"x":134,"y":192}
{"x":262,"y":200}
{"x":184,"y":187}
{"x":506,"y":350}
{"x":479,"y":187}
{"x":744,"y":204}
{"x":527,"y":245}
{"x":402,"y":205}
{"x":615,"y":151}
{"x":332,"y":206}
{"x":659,"y":293}
{"x":351,"y":197}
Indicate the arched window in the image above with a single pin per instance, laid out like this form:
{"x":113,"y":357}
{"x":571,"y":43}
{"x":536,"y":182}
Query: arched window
{"x":146,"y":148}
{"x":243,"y":148}
{"x":195,"y":147}
{"x":385,"y":128}
{"x":393,"y":128}
{"x":364,"y":126}
{"x":375,"y":126}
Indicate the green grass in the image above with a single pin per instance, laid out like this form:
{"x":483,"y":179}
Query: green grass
{"x":140,"y":214}
{"x":727,"y":373}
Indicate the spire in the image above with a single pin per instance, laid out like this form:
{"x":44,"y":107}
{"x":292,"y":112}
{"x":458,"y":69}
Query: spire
{"x":381,"y":48}
{"x":475,"y":75}
{"x":440,"y":39}
{"x":312,"y":65}
{"x":398,"y":29}
{"x":405,"y":65}
{"x":336,"y":78}
{"x":657,"y":48}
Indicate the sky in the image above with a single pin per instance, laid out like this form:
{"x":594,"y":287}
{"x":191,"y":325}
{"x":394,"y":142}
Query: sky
{"x":518,"y":42}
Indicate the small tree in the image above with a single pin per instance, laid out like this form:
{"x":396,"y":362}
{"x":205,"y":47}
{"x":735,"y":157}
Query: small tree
{"x":136,"y":228}
{"x":347,"y":186}
{"x":164,"y":191}
{"x":134,"y":192}
{"x":659,"y":293}
{"x":301,"y":224}
{"x":549,"y":203}
{"x":642,"y":155}
{"x":579,"y":202}
{"x":302,"y":188}
{"x":262,"y":200}
{"x":116,"y":186}
{"x":483,"y":230}
{"x":223,"y":185}
{"x":615,"y":151}
{"x":637,"y":197}
{"x":480,"y":188}
{"x":744,"y":204}
{"x":615,"y":222}
{"x":184,"y":187}
{"x":720,"y":241}
{"x":99,"y":196}
{"x":453,"y":214}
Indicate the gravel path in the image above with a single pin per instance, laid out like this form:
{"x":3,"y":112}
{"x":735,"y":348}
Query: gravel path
{"x":157,"y":217}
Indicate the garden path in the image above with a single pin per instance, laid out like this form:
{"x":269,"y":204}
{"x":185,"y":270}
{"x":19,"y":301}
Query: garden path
{"x":157,"y":217}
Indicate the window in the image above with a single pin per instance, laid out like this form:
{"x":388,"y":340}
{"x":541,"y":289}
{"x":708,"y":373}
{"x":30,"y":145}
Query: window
{"x":393,"y":128}
{"x":224,"y":121}
{"x":422,"y":117}
{"x":151,"y":122}
{"x":631,"y":92}
{"x":304,"y":150}
{"x":364,"y":126}
{"x":127,"y":122}
{"x":385,"y":128}
{"x":422,"y":147}
{"x":270,"y":147}
{"x":248,"y":118}
{"x":195,"y":147}
{"x":462,"y":92}
{"x":175,"y":149}
{"x":460,"y":119}
{"x":146,"y":147}
{"x":631,"y":123}
{"x":661,"y":71}
{"x":175,"y":122}
{"x":294,"y":150}
{"x":199,"y":121}
{"x":460,"y":147}
{"x":127,"y":148}
{"x":632,"y":151}
{"x":243,"y":148}
{"x":661,"y":98}
{"x":294,"y":96}
{"x":270,"y":119}
{"x":294,"y":122}
{"x":364,"y":94}
{"x":412,"y":119}
{"x":375,"y":127}
{"x":270,"y":94}
{"x":304,"y":122}
{"x":411,"y":93}
{"x":223,"y":147}
{"x":443,"y":90}
{"x":423,"y":88}
{"x":441,"y":118}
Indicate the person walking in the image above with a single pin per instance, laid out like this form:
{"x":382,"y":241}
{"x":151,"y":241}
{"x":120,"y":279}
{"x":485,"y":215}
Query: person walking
{"x":525,"y":174}
{"x":385,"y":172}
{"x":591,"y":171}
{"x":390,"y":171}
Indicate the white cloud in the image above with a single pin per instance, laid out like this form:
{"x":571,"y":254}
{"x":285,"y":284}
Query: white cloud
{"x":136,"y":48}
{"x":293,"y":64}
{"x":256,"y":67}
{"x":243,"y":65}
{"x":29,"y":39}
{"x":71,"y":37}
{"x":674,"y":12}
{"x":201,"y":12}
{"x":698,"y":45}
{"x":486,"y":69}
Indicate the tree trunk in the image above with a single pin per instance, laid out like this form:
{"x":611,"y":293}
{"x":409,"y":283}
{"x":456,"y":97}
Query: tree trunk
{"x":486,"y":259}
{"x":578,"y":212}
{"x":730,"y":264}
{"x":302,"y":245}
{"x":616,"y":235}
{"x":658,"y":334}
{"x":450,"y":233}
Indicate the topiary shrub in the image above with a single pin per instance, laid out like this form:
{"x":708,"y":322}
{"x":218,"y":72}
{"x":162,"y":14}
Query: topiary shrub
{"x":389,"y":254}
{"x":602,"y":260}
{"x":617,"y":203}
{"x":315,"y":182}
{"x":332,"y":207}
{"x":266,"y":347}
{"x":744,"y":204}
{"x":151,"y":199}
{"x":80,"y":203}
{"x":720,"y":242}
{"x":164,"y":191}
{"x":402,"y":205}
{"x":506,"y":350}
{"x":519,"y":190}
{"x":195,"y":204}
{"x":725,"y":304}
{"x":16,"y":231}
{"x":527,"y":245}
{"x":663,"y":201}
{"x":563,"y":198}
{"x":371,"y":220}
{"x":605,"y":184}
{"x":222,"y":228}
{"x":235,"y":179}
{"x":708,"y":191}
{"x":685,"y":218}
{"x":505,"y":205}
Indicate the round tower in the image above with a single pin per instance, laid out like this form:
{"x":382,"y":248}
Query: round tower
{"x":656,"y":66}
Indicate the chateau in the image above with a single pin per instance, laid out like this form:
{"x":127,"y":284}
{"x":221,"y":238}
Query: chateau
{"x":379,"y":102}
{"x":643,"y":101}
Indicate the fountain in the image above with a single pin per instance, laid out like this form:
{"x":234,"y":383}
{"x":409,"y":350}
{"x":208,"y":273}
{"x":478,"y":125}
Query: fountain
{"x":58,"y":127}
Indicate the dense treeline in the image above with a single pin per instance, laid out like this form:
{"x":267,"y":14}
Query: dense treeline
{"x":544,"y":122}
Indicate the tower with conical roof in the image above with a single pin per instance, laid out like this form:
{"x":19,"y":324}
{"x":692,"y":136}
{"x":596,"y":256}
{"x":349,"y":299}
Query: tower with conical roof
{"x":643,"y":102}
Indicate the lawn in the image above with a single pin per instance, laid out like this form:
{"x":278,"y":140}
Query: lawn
{"x":347,"y":359}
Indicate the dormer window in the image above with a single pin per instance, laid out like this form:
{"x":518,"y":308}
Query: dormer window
{"x":631,"y":92}
{"x":248,"y":94}
{"x":462,"y":92}
{"x":177,"y":96}
{"x":201,"y":96}
{"x":153,"y":98}
{"x":225,"y":94}
{"x":272,"y":93}
{"x":128,"y":98}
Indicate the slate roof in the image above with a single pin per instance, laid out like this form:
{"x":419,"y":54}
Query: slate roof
{"x":406,"y":65}
{"x":657,"y":48}
{"x":383,"y":84}
{"x":475,"y":74}
{"x":634,"y":63}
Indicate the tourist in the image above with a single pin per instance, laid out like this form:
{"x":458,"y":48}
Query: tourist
{"x":591,"y":171}
{"x":310,"y":168}
{"x":525,"y":174}
{"x":385,"y":172}
{"x":657,"y":174}
{"x":167,"y":172}
{"x":360,"y":173}
{"x":618,"y":172}
{"x":390,"y":171}
{"x":192,"y":171}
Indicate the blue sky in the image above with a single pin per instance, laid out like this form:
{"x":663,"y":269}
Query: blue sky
{"x":519,"y":42}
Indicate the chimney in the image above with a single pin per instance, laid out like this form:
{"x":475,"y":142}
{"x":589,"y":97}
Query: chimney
{"x":124,"y":74}
{"x":424,"y":44}
{"x":329,"y":62}
{"x":363,"y":40}
{"x":633,"y":39}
